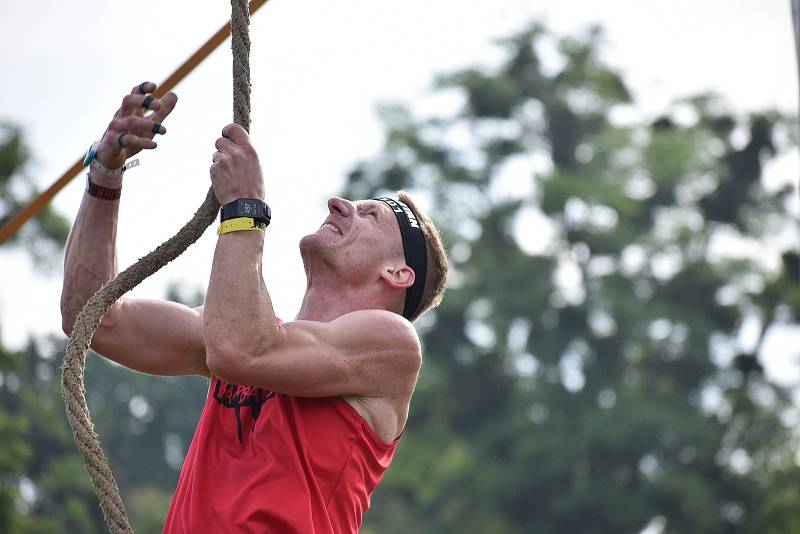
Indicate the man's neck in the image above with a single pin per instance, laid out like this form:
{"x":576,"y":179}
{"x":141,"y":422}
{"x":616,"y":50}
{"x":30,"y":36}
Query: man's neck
{"x":325,"y":302}
{"x":330,"y":295}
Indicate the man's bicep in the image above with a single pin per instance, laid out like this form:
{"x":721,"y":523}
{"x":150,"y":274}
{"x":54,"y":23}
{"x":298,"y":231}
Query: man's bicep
{"x":370,"y":353}
{"x":367,"y":353}
{"x":153,"y":336}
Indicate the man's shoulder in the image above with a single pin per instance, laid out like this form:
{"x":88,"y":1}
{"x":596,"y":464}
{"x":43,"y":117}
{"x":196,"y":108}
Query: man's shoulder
{"x":382,"y":326}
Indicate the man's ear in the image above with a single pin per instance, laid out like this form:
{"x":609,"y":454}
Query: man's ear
{"x":401,"y":277}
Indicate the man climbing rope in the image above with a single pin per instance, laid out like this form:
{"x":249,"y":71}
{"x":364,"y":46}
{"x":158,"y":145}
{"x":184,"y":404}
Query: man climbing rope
{"x":302,"y":418}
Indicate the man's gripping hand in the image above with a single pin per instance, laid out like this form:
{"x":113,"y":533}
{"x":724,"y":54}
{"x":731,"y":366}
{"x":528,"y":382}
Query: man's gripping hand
{"x":236,"y":172}
{"x":131,"y":131}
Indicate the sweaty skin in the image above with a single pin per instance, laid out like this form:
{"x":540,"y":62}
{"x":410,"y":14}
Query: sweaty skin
{"x":348,"y":339}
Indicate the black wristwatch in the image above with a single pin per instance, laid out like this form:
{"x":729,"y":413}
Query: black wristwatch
{"x":246,"y":207}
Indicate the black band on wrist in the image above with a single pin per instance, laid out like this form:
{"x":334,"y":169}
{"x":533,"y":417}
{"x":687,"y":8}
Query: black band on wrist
{"x":103,"y":193}
{"x":253,"y":208}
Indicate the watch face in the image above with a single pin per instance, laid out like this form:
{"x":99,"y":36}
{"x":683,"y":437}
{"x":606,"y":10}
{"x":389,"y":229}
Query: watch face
{"x":90,"y":154}
{"x":249,"y":208}
{"x":246,"y":207}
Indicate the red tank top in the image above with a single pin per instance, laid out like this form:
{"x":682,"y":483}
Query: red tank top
{"x":261,"y":462}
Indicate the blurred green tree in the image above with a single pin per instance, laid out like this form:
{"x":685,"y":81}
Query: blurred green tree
{"x":16,"y":454}
{"x":145,"y":423}
{"x":44,"y":235}
{"x":595,"y":365}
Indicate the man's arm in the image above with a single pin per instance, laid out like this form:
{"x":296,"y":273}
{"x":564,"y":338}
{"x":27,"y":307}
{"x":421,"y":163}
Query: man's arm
{"x":368,"y":353}
{"x":372,"y":353}
{"x":149,"y":336}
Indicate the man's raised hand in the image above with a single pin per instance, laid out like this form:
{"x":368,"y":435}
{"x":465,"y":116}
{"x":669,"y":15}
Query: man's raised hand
{"x":131,"y":131}
{"x":235,"y":169}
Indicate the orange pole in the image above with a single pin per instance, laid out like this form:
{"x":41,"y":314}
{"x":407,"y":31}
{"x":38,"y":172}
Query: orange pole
{"x":11,"y":227}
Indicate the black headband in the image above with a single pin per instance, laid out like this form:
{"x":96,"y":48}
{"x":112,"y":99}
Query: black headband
{"x":415,"y":251}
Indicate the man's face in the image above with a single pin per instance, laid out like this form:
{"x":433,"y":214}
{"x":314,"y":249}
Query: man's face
{"x":357,"y":238}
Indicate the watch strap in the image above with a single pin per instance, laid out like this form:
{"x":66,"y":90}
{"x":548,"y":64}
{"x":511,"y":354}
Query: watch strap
{"x":240,"y":224}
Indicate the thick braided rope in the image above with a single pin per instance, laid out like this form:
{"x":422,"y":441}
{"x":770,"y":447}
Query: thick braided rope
{"x":240,"y":45}
{"x":72,"y":379}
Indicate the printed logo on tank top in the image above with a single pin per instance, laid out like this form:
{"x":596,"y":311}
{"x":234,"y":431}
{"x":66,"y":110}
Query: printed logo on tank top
{"x":238,"y":397}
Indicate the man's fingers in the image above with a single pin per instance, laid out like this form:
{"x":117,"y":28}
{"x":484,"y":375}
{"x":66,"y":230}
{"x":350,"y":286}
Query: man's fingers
{"x":236,"y":133}
{"x":143,"y":88}
{"x":143,"y":127}
{"x":135,"y":105}
{"x":224,"y":145}
{"x":134,"y":143}
{"x":129,"y":131}
{"x":166,"y":105}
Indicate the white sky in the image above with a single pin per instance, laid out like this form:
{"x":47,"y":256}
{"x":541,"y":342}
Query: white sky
{"x":319,"y":69}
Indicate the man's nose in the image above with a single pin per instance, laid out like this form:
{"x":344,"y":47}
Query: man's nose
{"x":340,"y":206}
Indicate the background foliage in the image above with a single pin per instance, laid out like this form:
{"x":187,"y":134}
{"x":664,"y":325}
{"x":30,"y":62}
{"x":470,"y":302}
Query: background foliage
{"x":596,"y":364}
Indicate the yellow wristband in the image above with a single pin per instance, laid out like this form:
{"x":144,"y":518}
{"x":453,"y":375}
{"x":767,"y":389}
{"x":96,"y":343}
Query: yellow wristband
{"x":239,"y":224}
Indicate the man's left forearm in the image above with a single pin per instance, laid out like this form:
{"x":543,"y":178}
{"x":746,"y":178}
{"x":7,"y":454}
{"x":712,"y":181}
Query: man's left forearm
{"x":239,"y":320}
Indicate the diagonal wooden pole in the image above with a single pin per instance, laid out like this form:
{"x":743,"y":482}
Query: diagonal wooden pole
{"x":32,"y":209}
